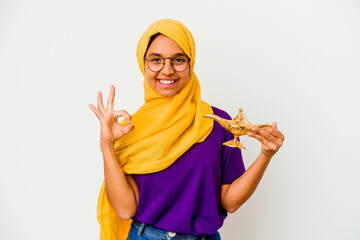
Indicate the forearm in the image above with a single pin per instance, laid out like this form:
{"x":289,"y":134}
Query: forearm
{"x":118,"y":189}
{"x":244,"y":186}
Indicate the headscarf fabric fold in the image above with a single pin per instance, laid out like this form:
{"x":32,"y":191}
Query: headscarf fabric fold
{"x":165,"y":127}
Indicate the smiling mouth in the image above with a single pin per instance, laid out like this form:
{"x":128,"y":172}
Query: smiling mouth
{"x":167,"y":82}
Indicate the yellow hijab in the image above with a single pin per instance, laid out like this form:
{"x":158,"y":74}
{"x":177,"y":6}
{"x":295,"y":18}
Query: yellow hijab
{"x":165,"y":127}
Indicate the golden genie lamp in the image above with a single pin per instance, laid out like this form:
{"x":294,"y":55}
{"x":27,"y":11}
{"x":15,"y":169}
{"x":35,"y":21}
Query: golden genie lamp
{"x":237,"y":127}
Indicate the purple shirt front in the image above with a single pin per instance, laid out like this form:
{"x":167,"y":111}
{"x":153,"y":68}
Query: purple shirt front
{"x":185,"y":197}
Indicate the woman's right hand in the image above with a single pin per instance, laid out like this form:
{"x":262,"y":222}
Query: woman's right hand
{"x":111,"y":129}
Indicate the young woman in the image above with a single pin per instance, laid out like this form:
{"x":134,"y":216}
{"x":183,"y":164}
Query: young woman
{"x":166,"y":170}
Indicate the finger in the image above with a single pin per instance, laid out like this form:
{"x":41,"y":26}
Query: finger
{"x":264,"y":141}
{"x":278,"y":141}
{"x":128,"y":128}
{"x":100,"y":102}
{"x":274,"y":131}
{"x":123,"y":113}
{"x":97,"y":113}
{"x":256,"y":136}
{"x":110,"y":102}
{"x":267,"y":135}
{"x":273,"y":135}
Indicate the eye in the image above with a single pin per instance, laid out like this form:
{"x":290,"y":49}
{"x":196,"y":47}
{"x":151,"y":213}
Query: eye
{"x":180,"y":60}
{"x":155,"y":59}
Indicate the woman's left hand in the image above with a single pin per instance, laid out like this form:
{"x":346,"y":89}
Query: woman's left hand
{"x":270,"y":137}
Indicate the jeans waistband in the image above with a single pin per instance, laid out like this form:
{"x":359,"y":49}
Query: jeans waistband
{"x":163,"y":234}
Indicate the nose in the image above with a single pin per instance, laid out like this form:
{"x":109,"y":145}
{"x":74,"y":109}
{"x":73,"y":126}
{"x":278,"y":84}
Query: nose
{"x":168,"y":68}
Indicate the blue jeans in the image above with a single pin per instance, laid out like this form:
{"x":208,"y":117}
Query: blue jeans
{"x":142,"y":231}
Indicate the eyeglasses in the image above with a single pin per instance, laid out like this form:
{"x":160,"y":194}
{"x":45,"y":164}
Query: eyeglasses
{"x":156,"y":63}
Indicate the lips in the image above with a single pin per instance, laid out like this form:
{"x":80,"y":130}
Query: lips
{"x":167,"y":82}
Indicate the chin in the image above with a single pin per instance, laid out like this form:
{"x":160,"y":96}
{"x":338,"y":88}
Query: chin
{"x":167,"y":94}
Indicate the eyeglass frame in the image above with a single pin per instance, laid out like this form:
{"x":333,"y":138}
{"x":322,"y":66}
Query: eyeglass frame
{"x":171,"y":62}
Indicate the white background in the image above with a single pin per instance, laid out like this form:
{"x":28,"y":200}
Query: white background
{"x":295,"y":62}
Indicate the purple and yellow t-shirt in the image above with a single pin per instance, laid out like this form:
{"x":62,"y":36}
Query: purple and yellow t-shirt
{"x":185,"y":197}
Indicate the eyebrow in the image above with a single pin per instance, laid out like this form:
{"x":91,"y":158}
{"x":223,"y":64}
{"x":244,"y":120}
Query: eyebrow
{"x":176,"y":54}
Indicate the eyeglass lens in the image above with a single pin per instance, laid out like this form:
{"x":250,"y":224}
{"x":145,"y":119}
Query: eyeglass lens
{"x":156,"y":63}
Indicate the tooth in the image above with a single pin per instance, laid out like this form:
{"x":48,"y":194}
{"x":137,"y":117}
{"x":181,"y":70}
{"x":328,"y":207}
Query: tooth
{"x":167,"y":82}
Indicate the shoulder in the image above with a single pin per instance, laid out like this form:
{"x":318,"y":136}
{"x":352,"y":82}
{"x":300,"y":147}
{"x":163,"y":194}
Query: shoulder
{"x":221,"y":113}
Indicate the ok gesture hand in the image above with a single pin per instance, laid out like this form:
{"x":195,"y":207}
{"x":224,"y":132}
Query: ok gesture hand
{"x":111,"y":130}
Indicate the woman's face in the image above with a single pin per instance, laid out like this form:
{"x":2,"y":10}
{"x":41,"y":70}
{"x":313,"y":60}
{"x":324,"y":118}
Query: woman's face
{"x":167,"y":81}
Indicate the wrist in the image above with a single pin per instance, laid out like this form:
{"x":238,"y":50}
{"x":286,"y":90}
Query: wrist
{"x":107,"y":146}
{"x":265,"y":157}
